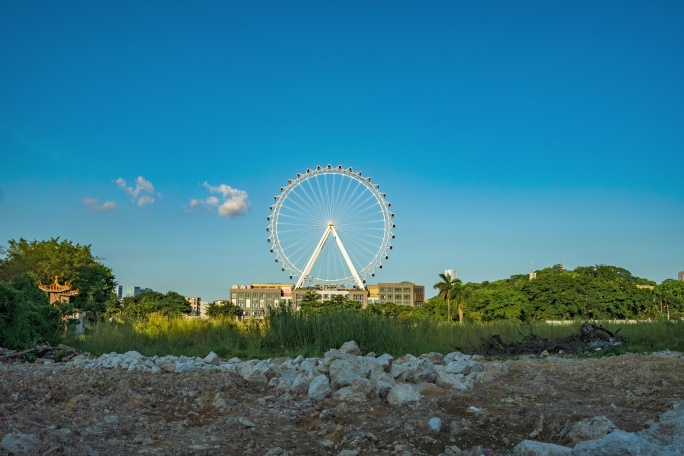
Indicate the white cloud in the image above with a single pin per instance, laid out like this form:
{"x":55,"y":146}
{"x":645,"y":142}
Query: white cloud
{"x":232,"y":202}
{"x":145,"y":199}
{"x":104,"y":207}
{"x":142,"y":185}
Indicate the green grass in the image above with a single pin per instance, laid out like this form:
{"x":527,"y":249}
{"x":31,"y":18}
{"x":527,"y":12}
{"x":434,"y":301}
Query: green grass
{"x":290,"y":334}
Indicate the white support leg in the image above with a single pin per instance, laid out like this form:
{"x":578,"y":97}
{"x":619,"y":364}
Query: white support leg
{"x":314,"y":257}
{"x":355,"y":274}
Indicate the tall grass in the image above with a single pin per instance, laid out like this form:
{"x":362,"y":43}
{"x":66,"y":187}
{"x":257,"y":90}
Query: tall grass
{"x":290,"y":334}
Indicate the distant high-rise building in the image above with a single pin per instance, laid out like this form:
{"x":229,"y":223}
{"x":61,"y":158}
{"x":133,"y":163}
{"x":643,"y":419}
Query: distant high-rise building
{"x":132,"y":290}
{"x":680,"y":276}
{"x":452,"y":273}
{"x":118,"y":291}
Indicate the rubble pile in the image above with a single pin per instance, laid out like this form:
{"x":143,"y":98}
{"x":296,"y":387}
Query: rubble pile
{"x":343,"y":374}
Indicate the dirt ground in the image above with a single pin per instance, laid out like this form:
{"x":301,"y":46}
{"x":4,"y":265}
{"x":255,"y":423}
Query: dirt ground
{"x":111,"y":411}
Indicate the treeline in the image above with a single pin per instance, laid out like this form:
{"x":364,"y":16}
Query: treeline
{"x":599,"y":292}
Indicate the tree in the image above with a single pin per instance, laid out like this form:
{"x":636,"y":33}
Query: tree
{"x":446,"y":290}
{"x":670,"y":296}
{"x":461,"y":294}
{"x":144,"y":304}
{"x":226,"y":309}
{"x":74,"y":263}
{"x":26,"y":317}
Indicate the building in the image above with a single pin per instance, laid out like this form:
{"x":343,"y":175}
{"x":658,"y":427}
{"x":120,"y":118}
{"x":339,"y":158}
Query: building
{"x":680,"y":276}
{"x":255,"y":300}
{"x":195,"y":304}
{"x":352,"y":294}
{"x":402,"y":293}
{"x":118,"y":291}
{"x":132,"y":290}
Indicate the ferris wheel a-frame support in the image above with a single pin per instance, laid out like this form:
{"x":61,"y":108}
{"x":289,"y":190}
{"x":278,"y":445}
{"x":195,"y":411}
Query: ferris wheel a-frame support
{"x":307,"y":270}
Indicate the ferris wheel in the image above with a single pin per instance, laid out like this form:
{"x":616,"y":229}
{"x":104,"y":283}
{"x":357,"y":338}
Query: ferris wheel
{"x":330,"y":226}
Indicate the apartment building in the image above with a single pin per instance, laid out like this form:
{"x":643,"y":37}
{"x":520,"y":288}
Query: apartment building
{"x":256,"y":299}
{"x":402,"y":294}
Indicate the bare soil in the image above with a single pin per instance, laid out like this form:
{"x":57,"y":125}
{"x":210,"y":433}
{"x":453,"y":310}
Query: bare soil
{"x":120,"y":412}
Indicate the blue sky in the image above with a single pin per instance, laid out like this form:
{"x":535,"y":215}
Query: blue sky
{"x":502,"y":132}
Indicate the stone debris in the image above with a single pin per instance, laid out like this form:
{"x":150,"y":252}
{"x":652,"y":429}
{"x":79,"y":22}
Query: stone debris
{"x":599,"y":436}
{"x":344,"y":374}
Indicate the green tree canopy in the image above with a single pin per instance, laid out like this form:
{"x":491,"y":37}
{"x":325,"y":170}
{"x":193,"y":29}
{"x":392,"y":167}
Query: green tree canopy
{"x":225,"y":309}
{"x":26,"y":317}
{"x":74,"y":263}
{"x":144,"y":304}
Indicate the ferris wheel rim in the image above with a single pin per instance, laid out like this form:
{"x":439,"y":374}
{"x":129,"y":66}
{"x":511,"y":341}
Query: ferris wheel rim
{"x":382,"y":220}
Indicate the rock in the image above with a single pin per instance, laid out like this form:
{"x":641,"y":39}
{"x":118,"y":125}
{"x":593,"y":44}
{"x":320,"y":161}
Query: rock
{"x":132,"y":354}
{"x":213,"y":359}
{"x":452,"y":450}
{"x":623,"y":444}
{"x":188,"y":366}
{"x":351,"y":348}
{"x":384,"y":383}
{"x":496,"y":368}
{"x":347,"y":394}
{"x":435,"y":358}
{"x":532,"y":448}
{"x":245,"y":422}
{"x":421,"y":370}
{"x":344,"y":372}
{"x":402,"y":394}
{"x":319,"y":388}
{"x":219,"y":403}
{"x":435,"y":424}
{"x":254,"y":372}
{"x":18,"y":443}
{"x":348,"y":453}
{"x":302,"y":381}
{"x":591,"y":429}
{"x":277,"y":451}
{"x":669,"y":429}
{"x":386,"y":360}
{"x":453,"y":381}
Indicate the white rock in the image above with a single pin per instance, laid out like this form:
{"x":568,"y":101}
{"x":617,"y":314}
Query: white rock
{"x":532,"y":448}
{"x":453,"y":381}
{"x":212,"y":358}
{"x":347,"y":394}
{"x":623,"y":444}
{"x":343,"y":372}
{"x":302,"y":381}
{"x":421,"y":370}
{"x":351,"y":347}
{"x":319,"y":388}
{"x":18,"y":443}
{"x":386,"y":360}
{"x":188,"y":366}
{"x":403,"y":393}
{"x":591,"y":429}
{"x":435,"y":424}
{"x":132,"y":354}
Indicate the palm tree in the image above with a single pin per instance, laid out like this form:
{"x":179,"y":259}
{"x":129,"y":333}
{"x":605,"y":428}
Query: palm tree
{"x":446,"y":289}
{"x":461,"y":294}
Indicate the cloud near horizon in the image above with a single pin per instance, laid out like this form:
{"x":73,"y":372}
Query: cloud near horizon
{"x":232,"y":202}
{"x":104,"y":207}
{"x":142,"y":185}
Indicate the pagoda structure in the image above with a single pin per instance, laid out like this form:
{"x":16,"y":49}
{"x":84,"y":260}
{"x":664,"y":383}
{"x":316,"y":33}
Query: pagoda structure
{"x":59,"y":293}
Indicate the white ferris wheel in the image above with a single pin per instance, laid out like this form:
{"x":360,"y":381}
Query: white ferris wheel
{"x":330,"y":226}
